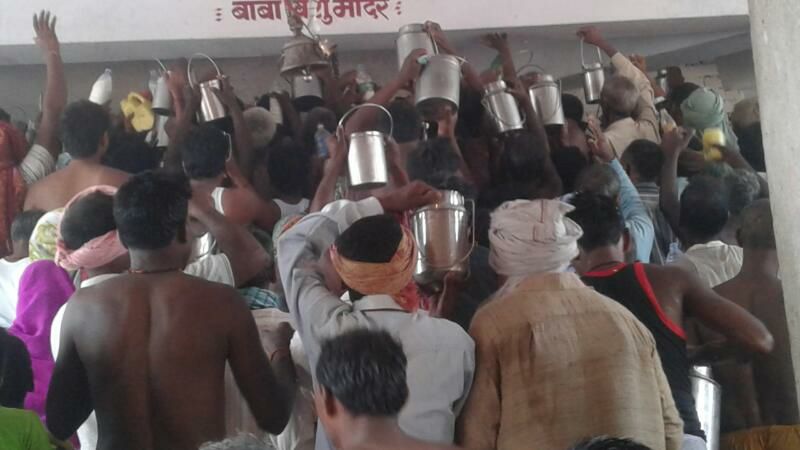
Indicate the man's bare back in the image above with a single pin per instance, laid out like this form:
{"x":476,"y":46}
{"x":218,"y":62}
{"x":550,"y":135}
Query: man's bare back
{"x":769,"y":376}
{"x":151,"y":350}
{"x":58,"y":188}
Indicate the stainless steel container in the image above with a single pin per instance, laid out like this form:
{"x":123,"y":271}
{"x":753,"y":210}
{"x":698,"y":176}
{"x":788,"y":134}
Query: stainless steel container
{"x":502,"y":107}
{"x":411,"y":37}
{"x":661,"y":79}
{"x":593,"y":78}
{"x":438,"y":86}
{"x":301,"y":54}
{"x":545,"y":96}
{"x":445,"y":236}
{"x":211,"y":107}
{"x":307,"y":91}
{"x":707,"y":396}
{"x":162,"y":98}
{"x":366,"y":159}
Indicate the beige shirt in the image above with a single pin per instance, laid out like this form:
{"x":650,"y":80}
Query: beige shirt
{"x":644,"y":124}
{"x":556,"y":363}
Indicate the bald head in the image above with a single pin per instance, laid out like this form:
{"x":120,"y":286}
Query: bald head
{"x":619,"y":96}
{"x":756,"y":231}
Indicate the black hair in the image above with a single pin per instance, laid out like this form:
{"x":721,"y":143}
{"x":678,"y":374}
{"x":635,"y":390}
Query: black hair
{"x":204,"y":151}
{"x":599,"y":179}
{"x":130,"y":153}
{"x":150,"y":210}
{"x":23,"y":224}
{"x":743,"y":189}
{"x":573,"y":107}
{"x":90,"y":217}
{"x":600,"y":219}
{"x":757,"y":230}
{"x":704,"y":207}
{"x":678,"y":95}
{"x":83,"y":126}
{"x":365,"y":370}
{"x":4,"y":116}
{"x":523,"y":157}
{"x":288,"y":167}
{"x":371,"y":239}
{"x":569,"y":162}
{"x":610,"y":443}
{"x":16,"y":374}
{"x":407,"y":121}
{"x":433,"y":161}
{"x":646,"y":157}
{"x":471,"y":114}
{"x":752,"y":146}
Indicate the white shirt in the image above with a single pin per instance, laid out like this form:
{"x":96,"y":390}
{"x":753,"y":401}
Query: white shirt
{"x":441,"y":356}
{"x":715,"y":262}
{"x":10,"y":273}
{"x":37,"y":164}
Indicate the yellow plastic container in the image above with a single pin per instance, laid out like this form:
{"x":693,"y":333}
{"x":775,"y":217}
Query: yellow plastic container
{"x":713,"y":140}
{"x":140,"y":111}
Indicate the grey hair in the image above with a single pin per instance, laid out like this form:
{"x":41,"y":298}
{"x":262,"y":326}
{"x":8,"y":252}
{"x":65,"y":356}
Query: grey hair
{"x":240,"y":442}
{"x":619,"y":94}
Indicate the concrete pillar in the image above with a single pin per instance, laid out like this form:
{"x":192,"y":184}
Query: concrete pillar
{"x":773,"y":29}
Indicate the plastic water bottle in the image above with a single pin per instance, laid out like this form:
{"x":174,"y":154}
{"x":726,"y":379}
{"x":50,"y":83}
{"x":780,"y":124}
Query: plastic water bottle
{"x":321,"y":138}
{"x":101,"y":89}
{"x":366,"y":87}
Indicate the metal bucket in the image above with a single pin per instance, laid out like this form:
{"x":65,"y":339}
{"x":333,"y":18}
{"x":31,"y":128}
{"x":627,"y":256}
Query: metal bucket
{"x":661,"y":79}
{"x":593,"y":78}
{"x":411,"y":37}
{"x":366,"y":158}
{"x":307,"y":91}
{"x":545,"y":97}
{"x":502,"y":107}
{"x":162,"y":99}
{"x":438,"y":86}
{"x":301,"y":54}
{"x":707,"y":396}
{"x":211,"y":107}
{"x":442,"y":234}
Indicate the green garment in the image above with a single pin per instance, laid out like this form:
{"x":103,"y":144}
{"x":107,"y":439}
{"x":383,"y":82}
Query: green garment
{"x":21,"y":430}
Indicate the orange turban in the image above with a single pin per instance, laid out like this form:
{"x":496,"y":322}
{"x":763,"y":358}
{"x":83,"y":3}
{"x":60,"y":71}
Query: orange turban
{"x":390,"y":278}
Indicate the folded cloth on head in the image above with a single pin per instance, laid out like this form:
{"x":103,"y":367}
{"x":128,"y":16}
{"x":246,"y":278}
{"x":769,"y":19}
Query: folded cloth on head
{"x":45,"y":234}
{"x":391,"y":278}
{"x":706,"y":109}
{"x":95,"y":253}
{"x":531,"y":236}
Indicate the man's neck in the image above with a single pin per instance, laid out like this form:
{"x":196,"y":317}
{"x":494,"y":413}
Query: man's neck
{"x":15,"y":257}
{"x":691,"y":241}
{"x":760,"y":262}
{"x":161,"y":260}
{"x":92,"y":162}
{"x":369,"y":432}
{"x":603,"y":258}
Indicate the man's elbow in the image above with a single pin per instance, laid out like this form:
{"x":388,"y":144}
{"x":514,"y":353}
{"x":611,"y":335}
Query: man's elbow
{"x":275,"y":422}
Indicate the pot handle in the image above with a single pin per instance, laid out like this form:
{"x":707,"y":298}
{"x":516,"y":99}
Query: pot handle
{"x":346,"y":115}
{"x":163,"y":67}
{"x":529,"y":65}
{"x":190,"y":74}
{"x":599,"y":55}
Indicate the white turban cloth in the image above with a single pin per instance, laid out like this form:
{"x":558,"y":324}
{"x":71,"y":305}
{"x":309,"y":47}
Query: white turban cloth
{"x":532,"y":236}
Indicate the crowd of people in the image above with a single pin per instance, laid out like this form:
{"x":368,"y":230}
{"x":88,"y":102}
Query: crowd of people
{"x":229,"y":289}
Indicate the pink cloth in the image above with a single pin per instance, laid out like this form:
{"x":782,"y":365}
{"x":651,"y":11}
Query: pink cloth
{"x":43,"y":289}
{"x":98,"y":251}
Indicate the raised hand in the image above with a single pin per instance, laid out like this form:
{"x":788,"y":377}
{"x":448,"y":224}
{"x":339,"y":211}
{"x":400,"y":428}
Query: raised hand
{"x":411,"y":196}
{"x":591,"y":35}
{"x":639,"y":61}
{"x":496,"y":41}
{"x":45,"y":27}
{"x":598,"y":142}
{"x":227,"y":95}
{"x":439,"y":37}
{"x":675,"y":142}
{"x":411,"y":66}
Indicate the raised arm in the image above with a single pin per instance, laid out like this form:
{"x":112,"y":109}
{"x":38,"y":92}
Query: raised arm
{"x":471,"y":76}
{"x":334,"y":168}
{"x":55,"y":91}
{"x":246,"y":256}
{"x":241,"y":165}
{"x":69,"y":399}
{"x":499,"y":42}
{"x":672,"y":145}
{"x":268,"y":390}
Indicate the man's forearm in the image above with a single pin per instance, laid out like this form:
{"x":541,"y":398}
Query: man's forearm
{"x":53,"y":103}
{"x":245,"y":254}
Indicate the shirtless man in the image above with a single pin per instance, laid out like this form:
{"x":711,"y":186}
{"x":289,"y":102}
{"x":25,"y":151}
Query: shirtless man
{"x":84,"y":133}
{"x":762,"y":393}
{"x":660,"y":297}
{"x":361,"y":388}
{"x":147,"y":350}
